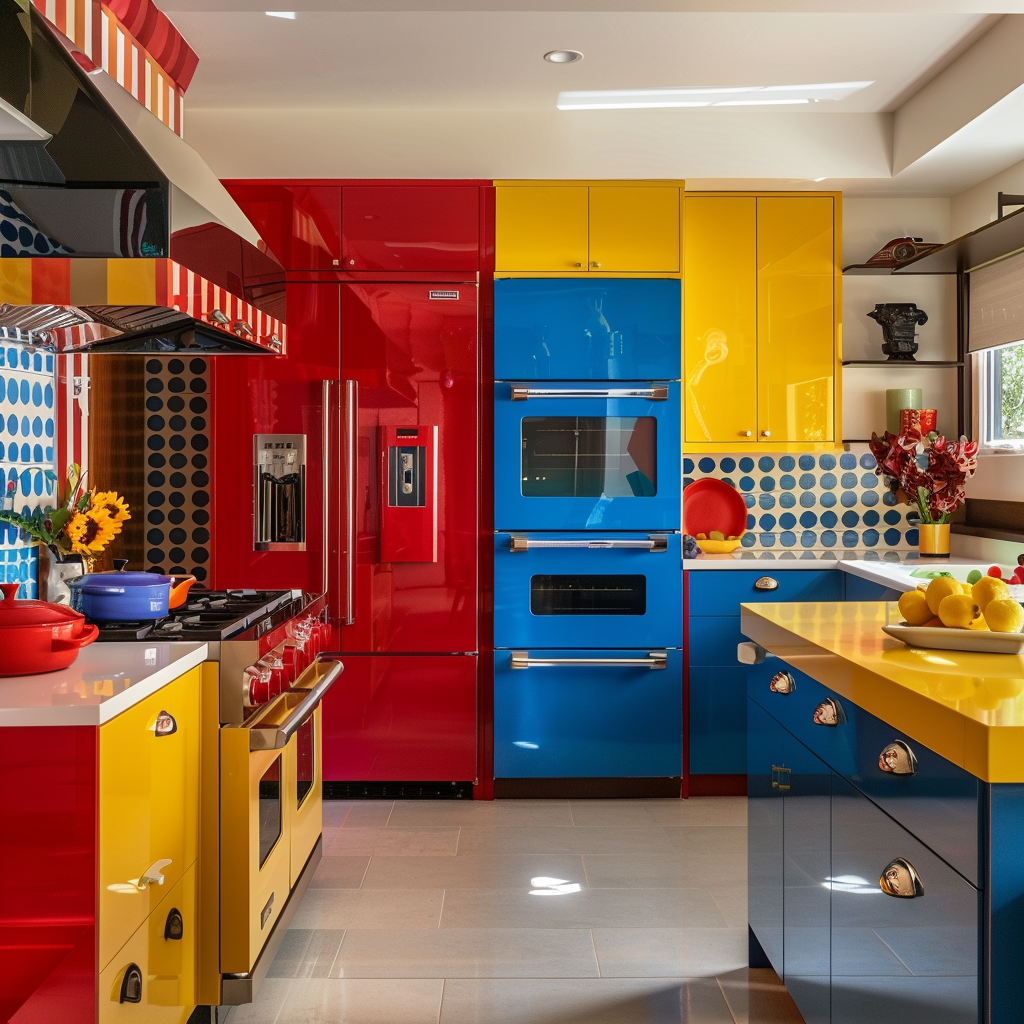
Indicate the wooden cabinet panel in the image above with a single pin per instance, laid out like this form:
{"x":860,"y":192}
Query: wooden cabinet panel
{"x":720,"y":318}
{"x":166,"y":965}
{"x":541,"y":228}
{"x":796,"y":318}
{"x":148,"y":807}
{"x":634,"y":230}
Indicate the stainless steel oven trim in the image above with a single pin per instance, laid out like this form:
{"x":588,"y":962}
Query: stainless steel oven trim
{"x":237,"y":989}
{"x":276,"y":737}
{"x":655,"y":394}
{"x":654,"y":660}
{"x":654,"y":543}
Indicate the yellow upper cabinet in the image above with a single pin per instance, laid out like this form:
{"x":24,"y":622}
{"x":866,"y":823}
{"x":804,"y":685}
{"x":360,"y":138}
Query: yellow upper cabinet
{"x":796,"y":344}
{"x":634,"y":229}
{"x":761,"y":321}
{"x":581,"y":228}
{"x":720,"y":318}
{"x":542,"y":228}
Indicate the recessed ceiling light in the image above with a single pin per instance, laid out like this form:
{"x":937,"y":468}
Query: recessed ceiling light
{"x":290,"y":15}
{"x":732,"y":96}
{"x":563,"y":56}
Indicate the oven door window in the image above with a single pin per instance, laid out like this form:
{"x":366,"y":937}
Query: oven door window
{"x":270,"y":810}
{"x":589,"y":456}
{"x":588,"y":595}
{"x":305,"y":742}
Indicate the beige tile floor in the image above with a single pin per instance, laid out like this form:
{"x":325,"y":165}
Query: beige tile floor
{"x":421,"y":912}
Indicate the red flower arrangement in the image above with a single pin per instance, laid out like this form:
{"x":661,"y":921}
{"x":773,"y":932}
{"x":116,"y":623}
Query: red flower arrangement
{"x":930,"y":472}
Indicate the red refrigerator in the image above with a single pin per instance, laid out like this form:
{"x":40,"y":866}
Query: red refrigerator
{"x":404,"y":583}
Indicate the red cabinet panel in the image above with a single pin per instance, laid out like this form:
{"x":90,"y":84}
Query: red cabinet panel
{"x":301,"y":224}
{"x":412,"y":351}
{"x":402,"y":719}
{"x":429,"y":227}
{"x":261,"y":394}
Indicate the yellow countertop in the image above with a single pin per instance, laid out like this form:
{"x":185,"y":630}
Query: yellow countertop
{"x":967,"y":707}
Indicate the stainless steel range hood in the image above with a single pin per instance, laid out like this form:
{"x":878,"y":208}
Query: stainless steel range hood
{"x":88,"y":165}
{"x":150,"y":330}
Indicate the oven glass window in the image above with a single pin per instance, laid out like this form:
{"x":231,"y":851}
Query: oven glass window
{"x":270,"y":809}
{"x":590,"y":456}
{"x":588,"y":595}
{"x":305,"y":755}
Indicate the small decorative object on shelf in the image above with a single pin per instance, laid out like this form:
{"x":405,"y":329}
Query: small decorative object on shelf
{"x":898,"y":320}
{"x":930,"y":473}
{"x":70,"y":535}
{"x":918,"y":422}
{"x":899,"y":250}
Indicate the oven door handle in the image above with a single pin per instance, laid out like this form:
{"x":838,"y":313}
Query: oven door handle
{"x":654,"y":660}
{"x":275,"y":737}
{"x":652,"y":543}
{"x":656,"y":394}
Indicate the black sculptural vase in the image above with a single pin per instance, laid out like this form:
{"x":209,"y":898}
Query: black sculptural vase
{"x":898,"y":320}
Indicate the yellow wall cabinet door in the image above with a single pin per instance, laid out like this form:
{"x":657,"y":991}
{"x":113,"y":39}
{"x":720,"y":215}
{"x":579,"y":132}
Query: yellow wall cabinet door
{"x":720,"y":318}
{"x":541,"y":228}
{"x":761,"y":332}
{"x":576,"y":228}
{"x":634,"y":229}
{"x":795,"y":319}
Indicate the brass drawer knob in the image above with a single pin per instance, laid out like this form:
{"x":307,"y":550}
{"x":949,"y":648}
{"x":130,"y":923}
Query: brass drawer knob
{"x":766,"y":583}
{"x":901,"y":880}
{"x":897,"y":759}
{"x":782,"y":682}
{"x":829,"y":712}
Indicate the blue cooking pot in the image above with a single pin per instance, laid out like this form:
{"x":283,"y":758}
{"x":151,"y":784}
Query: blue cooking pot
{"x":121,"y":596}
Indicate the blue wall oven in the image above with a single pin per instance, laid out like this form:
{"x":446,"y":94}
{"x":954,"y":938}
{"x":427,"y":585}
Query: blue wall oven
{"x":587,"y":560}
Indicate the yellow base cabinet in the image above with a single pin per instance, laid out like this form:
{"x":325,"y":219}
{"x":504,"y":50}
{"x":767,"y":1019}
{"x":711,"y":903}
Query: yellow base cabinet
{"x":151,"y":979}
{"x":762,"y":321}
{"x":569,"y":228}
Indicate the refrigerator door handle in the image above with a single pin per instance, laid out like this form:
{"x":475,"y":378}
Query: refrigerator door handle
{"x":351,"y":480}
{"x":325,"y":449}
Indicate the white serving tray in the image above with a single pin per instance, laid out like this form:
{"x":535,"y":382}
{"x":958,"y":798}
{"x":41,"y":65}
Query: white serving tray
{"x":942,"y":638}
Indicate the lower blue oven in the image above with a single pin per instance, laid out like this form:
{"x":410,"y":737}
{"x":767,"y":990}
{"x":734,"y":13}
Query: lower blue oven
{"x":578,"y":713}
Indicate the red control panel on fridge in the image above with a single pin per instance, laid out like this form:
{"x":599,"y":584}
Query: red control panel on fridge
{"x":408,"y":529}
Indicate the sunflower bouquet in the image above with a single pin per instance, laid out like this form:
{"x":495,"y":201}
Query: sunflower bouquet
{"x":84,"y":523}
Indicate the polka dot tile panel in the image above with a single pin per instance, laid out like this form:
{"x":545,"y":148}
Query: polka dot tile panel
{"x":27,"y":478}
{"x":177,"y":466}
{"x":827,"y":501}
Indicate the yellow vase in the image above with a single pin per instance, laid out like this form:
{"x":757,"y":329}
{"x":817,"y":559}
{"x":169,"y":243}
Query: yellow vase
{"x":933,"y":540}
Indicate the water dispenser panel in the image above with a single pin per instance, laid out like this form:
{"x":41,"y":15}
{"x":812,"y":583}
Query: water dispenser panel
{"x":280,"y":469}
{"x":409,"y":502}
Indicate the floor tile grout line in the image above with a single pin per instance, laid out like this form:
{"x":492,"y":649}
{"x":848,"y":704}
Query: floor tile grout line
{"x":337,"y":952}
{"x":441,"y":911}
{"x":440,"y":1002}
{"x":366,"y":871}
{"x":597,"y":959}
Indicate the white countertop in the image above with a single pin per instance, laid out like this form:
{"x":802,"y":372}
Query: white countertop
{"x":105,"y":680}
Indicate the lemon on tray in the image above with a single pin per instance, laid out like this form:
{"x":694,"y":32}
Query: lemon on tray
{"x":989,"y":589}
{"x":958,"y":611}
{"x":914,"y":608}
{"x":1004,"y":615}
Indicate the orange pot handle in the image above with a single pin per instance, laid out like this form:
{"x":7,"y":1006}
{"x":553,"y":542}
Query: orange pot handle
{"x":89,"y":633}
{"x":179,"y":590}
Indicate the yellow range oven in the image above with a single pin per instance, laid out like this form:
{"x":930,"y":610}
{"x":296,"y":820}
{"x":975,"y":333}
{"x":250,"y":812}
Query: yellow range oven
{"x":271,"y":817}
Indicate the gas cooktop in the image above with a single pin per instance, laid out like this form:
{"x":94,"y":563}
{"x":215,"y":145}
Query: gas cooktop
{"x":206,"y":615}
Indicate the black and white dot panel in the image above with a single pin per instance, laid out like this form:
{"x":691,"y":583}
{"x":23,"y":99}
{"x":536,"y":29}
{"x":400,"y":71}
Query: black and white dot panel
{"x":177,"y":466}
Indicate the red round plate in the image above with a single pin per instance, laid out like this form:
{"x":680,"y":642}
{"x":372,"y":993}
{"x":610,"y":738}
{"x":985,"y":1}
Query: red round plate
{"x":712,"y":504}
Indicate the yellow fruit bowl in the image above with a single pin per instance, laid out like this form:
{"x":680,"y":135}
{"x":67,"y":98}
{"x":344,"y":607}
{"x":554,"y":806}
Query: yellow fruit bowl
{"x":719,"y":547}
{"x":947,"y":638}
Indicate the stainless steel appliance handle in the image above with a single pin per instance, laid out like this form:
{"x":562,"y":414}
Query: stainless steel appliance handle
{"x":657,"y":394}
{"x":326,"y":485}
{"x":275,"y":737}
{"x":654,"y":660}
{"x":655,"y":544}
{"x":351,"y":481}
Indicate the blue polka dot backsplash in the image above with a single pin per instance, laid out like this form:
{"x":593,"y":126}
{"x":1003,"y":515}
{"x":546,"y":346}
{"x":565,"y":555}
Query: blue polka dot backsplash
{"x":26,"y":453}
{"x":834,"y":500}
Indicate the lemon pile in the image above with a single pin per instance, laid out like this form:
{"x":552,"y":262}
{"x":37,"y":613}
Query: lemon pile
{"x":946,"y":602}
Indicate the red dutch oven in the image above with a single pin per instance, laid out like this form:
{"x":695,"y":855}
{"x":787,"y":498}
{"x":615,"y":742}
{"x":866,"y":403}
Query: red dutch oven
{"x":39,"y":637}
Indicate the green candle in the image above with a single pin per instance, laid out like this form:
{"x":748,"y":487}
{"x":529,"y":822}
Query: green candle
{"x":896,"y":399}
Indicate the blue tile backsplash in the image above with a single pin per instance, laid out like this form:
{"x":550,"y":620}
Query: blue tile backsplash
{"x":827,"y":501}
{"x":27,"y":426}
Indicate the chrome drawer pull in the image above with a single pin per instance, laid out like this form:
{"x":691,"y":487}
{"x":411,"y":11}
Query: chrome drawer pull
{"x":749,"y":653}
{"x":154,"y":874}
{"x":521,"y":394}
{"x":654,"y":660}
{"x":654,"y":544}
{"x":829,"y":712}
{"x":766,"y":583}
{"x":899,"y":879}
{"x":782,"y":682}
{"x":897,"y":759}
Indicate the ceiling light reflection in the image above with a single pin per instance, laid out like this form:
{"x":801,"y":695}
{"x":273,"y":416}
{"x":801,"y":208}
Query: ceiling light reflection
{"x":850,"y":883}
{"x":726,"y":96}
{"x":526,"y":744}
{"x":545,"y":886}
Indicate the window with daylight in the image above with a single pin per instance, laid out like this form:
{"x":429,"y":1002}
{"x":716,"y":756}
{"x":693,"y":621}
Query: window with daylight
{"x":999,"y":397}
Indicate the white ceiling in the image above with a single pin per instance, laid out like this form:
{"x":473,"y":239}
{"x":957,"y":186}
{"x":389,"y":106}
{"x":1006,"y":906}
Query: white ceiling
{"x":458,"y":88}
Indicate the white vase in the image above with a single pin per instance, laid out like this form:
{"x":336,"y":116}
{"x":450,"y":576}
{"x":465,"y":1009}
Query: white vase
{"x":56,"y":570}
